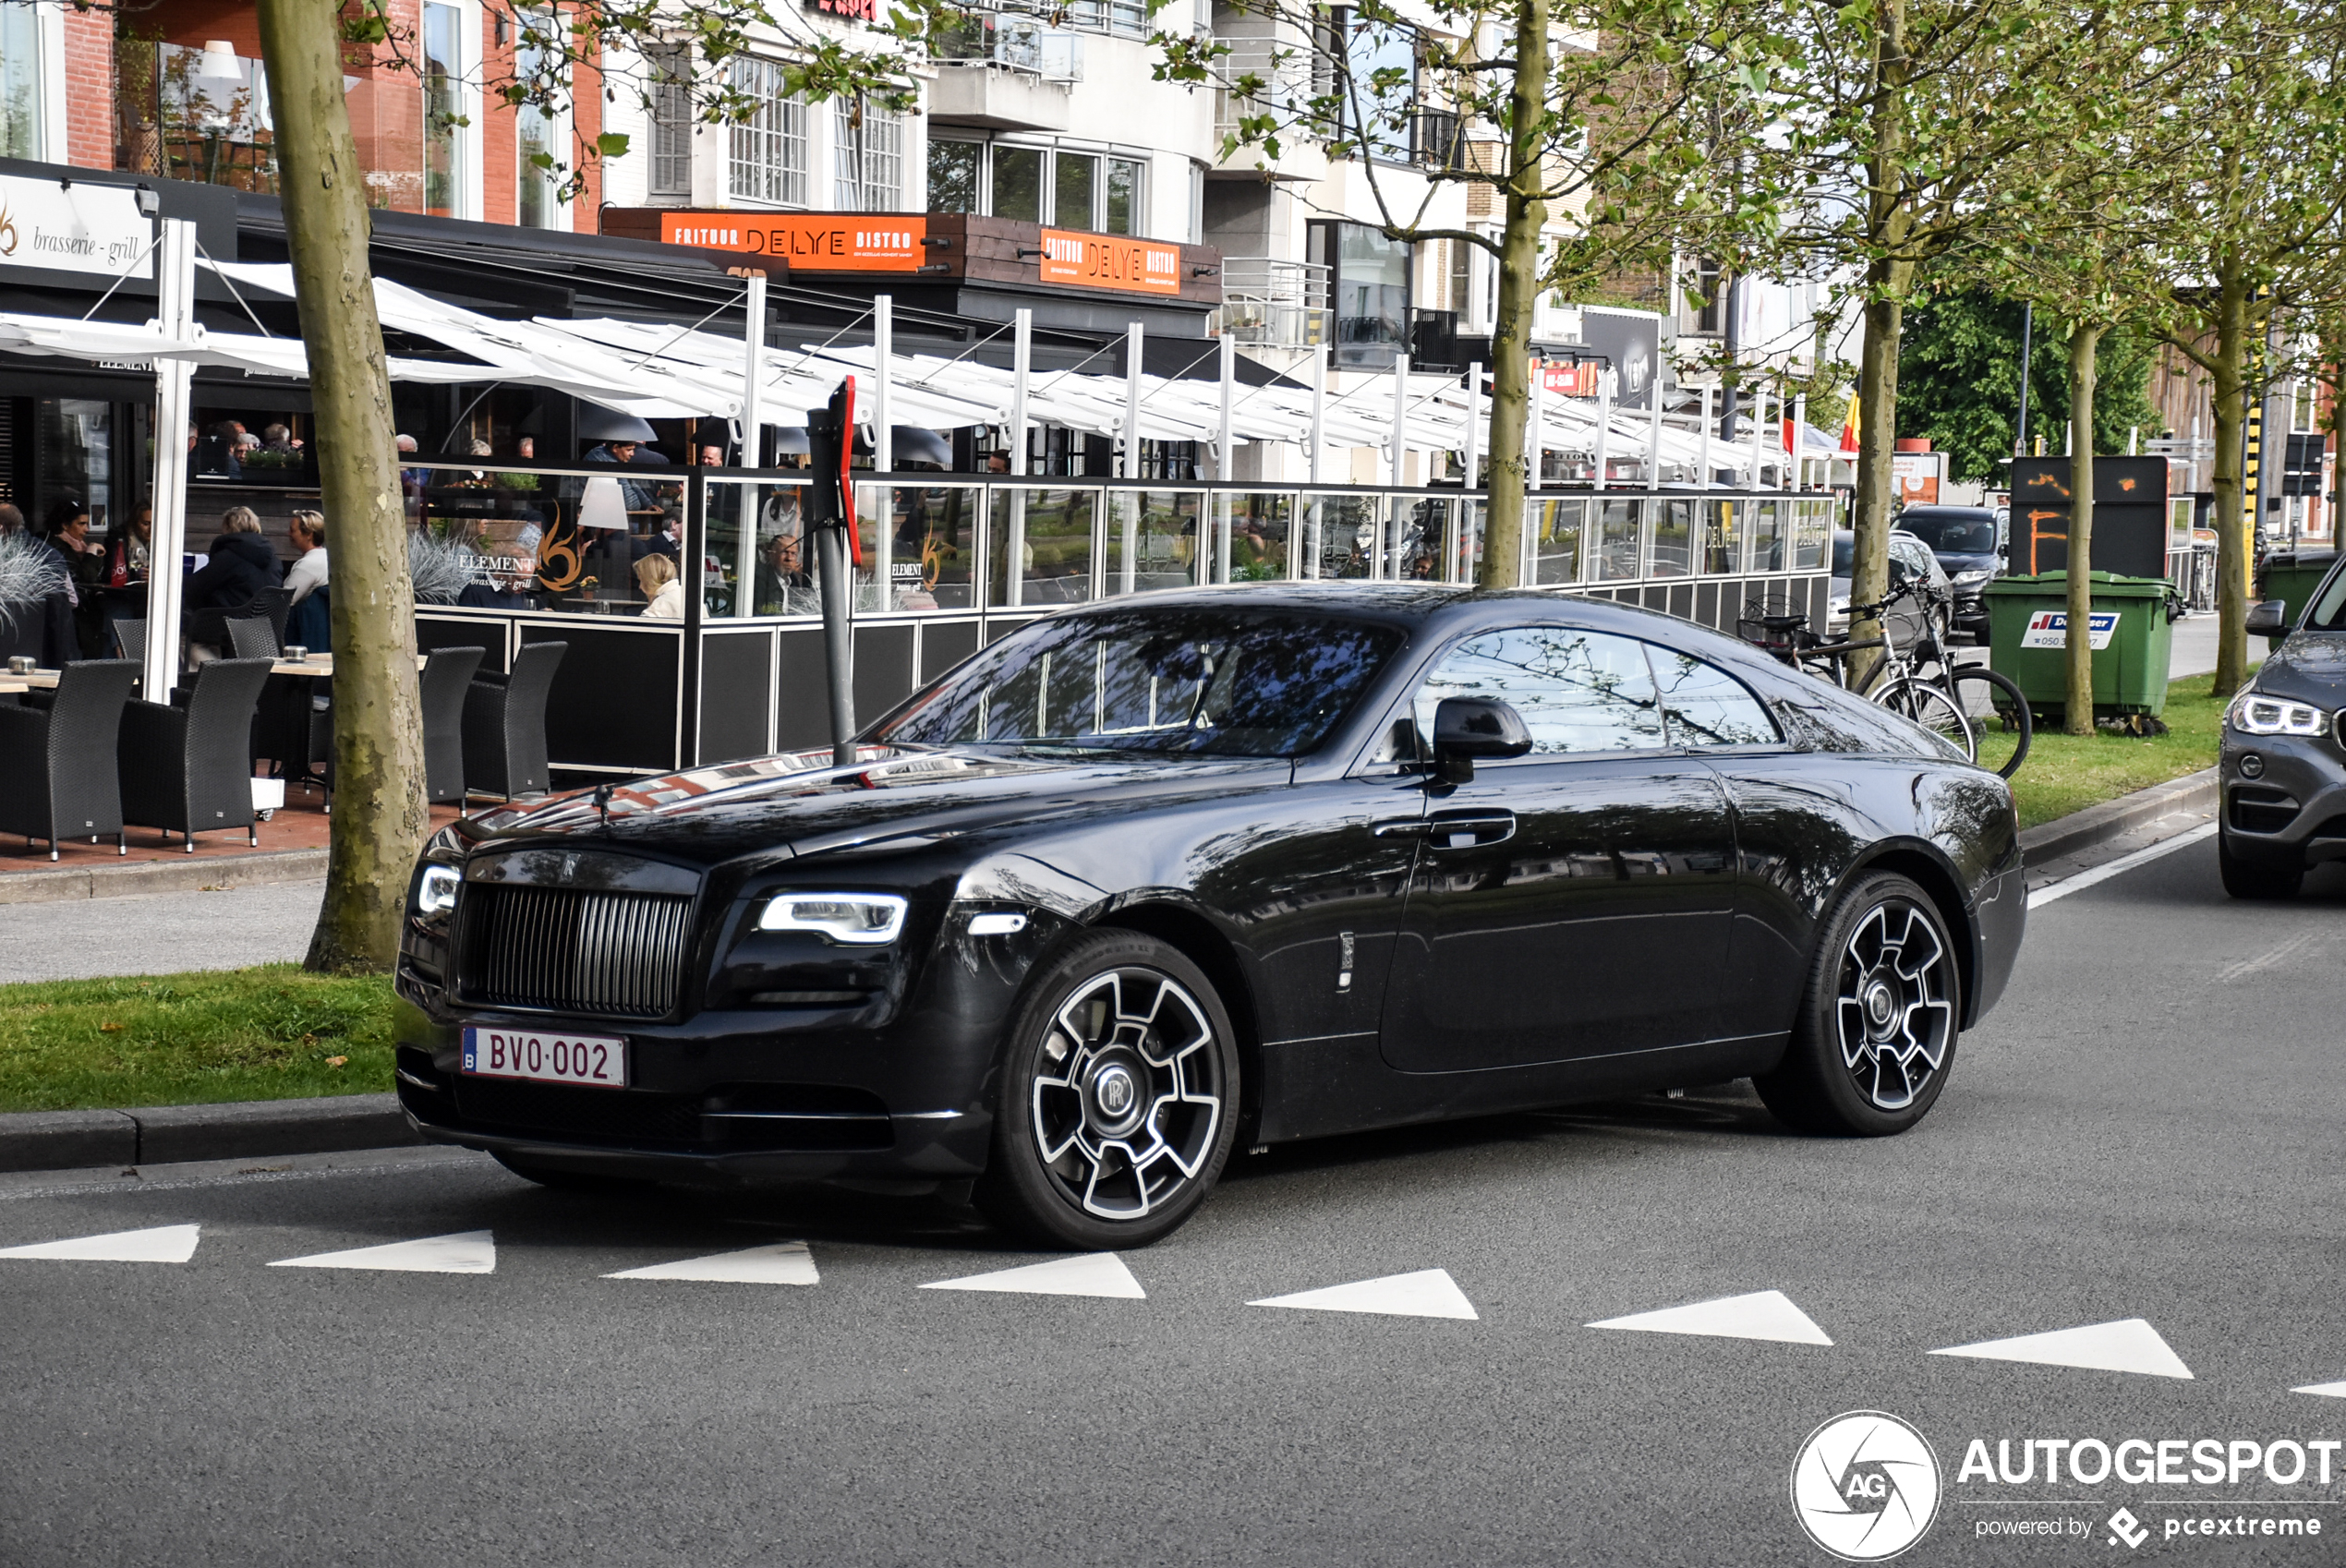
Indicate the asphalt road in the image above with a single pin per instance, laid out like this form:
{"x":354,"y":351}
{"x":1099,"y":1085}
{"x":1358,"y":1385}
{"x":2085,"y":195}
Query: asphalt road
{"x":2147,"y":1129}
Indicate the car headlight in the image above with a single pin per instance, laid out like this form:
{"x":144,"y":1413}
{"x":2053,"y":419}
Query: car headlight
{"x":858,"y":920}
{"x":1966,"y":579}
{"x":2255,"y":714}
{"x":436,"y":890}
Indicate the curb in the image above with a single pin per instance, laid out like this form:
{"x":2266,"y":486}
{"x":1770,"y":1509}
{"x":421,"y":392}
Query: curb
{"x":2098,"y":824}
{"x":220,"y":872}
{"x":153,"y":1135}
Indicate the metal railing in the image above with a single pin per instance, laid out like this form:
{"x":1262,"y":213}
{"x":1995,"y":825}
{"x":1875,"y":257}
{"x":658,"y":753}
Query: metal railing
{"x":1273,"y":304}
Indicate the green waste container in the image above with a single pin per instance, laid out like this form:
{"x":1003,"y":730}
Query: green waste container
{"x":2027,"y":625}
{"x":2292,"y":575}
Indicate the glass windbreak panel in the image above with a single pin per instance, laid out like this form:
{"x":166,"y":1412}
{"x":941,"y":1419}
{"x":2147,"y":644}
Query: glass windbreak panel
{"x":1620,"y":541}
{"x":564,"y":541}
{"x":1556,"y":540}
{"x":1811,"y":526}
{"x":1467,"y":546}
{"x":1576,"y":692}
{"x":763,"y":525}
{"x":1050,"y":531}
{"x":1250,"y":536}
{"x":1420,"y":533}
{"x":1341,"y":534}
{"x":1018,"y":182}
{"x":1153,"y":540}
{"x":924,"y":547}
{"x":1169,"y":678}
{"x":1673,"y":539}
{"x":1723,"y":535}
{"x":952,"y":176}
{"x":1075,"y":179}
{"x":1767,"y":535}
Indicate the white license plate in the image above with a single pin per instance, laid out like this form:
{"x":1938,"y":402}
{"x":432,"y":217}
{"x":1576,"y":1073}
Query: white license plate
{"x":596,"y":1060}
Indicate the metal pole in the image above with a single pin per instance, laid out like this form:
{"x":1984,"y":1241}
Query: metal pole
{"x":753,"y":444}
{"x":1014,"y":548}
{"x":1473,"y":424}
{"x":1703,"y":481}
{"x":1224,"y":468}
{"x":1797,"y":444}
{"x":2027,"y":328}
{"x":1759,"y":427}
{"x":839,"y":640}
{"x":1134,"y":340}
{"x":1312,"y":464}
{"x":1653,"y":434}
{"x":1535,"y":444}
{"x":883,"y":540}
{"x":1604,"y":426}
{"x":175,"y":311}
{"x":1398,"y":449}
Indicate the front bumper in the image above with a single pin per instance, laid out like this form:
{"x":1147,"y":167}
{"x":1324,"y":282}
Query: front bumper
{"x":724,"y":1098}
{"x":2293,"y":811}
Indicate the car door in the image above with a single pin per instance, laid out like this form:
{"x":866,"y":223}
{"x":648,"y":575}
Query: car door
{"x":1572,"y":902}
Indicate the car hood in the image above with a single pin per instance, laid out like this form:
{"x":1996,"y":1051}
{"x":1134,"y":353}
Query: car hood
{"x":800,"y":804}
{"x":1952,"y":563}
{"x":2310,"y":666}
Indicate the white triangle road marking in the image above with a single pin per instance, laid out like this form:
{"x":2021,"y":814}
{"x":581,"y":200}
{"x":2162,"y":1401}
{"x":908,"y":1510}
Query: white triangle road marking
{"x":784,"y":1262}
{"x":2328,"y":1391}
{"x":1086,"y":1274}
{"x":1763,"y":1314}
{"x":2128,"y":1345}
{"x":465,"y":1252}
{"x":164,"y":1244}
{"x":1428,"y":1292}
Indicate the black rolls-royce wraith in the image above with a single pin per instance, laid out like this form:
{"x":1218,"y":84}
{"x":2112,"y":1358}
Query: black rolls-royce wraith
{"x":1151,"y":877}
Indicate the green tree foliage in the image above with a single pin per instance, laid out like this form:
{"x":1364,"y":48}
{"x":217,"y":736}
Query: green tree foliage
{"x":1959,"y":383}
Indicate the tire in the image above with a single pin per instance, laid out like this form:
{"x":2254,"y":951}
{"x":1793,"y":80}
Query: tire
{"x":2246,"y":877}
{"x":1933,"y":709}
{"x":1117,"y":1102}
{"x":1884,"y":969}
{"x":2004,"y":700}
{"x":555,"y":1179}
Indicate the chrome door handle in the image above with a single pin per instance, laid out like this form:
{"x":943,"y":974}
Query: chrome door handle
{"x":1401,"y":827}
{"x":1468,"y":829}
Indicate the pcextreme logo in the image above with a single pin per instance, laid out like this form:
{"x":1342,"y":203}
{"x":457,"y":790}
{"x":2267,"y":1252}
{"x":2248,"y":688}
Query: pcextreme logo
{"x":1864,"y":1486}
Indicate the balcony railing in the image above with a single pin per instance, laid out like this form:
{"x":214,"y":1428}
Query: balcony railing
{"x":1273,"y":304}
{"x":1015,"y":43}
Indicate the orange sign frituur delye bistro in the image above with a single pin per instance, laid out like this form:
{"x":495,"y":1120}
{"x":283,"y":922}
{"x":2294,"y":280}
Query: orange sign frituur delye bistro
{"x":1110,"y":261}
{"x":877,"y":242}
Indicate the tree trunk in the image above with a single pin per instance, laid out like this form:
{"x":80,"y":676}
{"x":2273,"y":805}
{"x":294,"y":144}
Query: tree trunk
{"x":1890,"y":222}
{"x":378,"y":817}
{"x":2085,"y":339}
{"x":2232,"y":535}
{"x":1513,"y":468}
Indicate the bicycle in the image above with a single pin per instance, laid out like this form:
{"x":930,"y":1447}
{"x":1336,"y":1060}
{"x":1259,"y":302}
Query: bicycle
{"x":1938,"y":701}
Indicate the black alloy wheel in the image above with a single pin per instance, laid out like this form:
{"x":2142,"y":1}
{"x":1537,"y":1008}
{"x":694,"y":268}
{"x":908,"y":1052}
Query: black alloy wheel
{"x":2249,"y":877}
{"x":1875,"y":1037}
{"x":1118,"y":1100}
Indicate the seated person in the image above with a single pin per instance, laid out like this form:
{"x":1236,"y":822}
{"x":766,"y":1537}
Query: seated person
{"x":781,"y":585}
{"x":240,"y":566}
{"x":656,"y":575}
{"x":309,"y":570}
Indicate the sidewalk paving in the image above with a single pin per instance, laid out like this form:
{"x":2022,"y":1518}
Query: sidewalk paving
{"x":161,"y":934}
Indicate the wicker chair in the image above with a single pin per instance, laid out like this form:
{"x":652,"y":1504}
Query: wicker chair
{"x":446,"y":680}
{"x":130,"y":636}
{"x":505,"y":724}
{"x":191,"y":768}
{"x":252,"y":636}
{"x":58,"y":777}
{"x":271,"y":605}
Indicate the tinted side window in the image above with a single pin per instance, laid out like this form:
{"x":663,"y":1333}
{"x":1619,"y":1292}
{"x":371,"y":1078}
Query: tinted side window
{"x":1707,"y":707}
{"x":1577,"y":691}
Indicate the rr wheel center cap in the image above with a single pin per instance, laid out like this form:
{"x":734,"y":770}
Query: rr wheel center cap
{"x":1882,"y":1006}
{"x":1115,"y":1098}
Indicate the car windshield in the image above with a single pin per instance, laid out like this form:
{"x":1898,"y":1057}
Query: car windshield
{"x":1211,"y":682}
{"x":2329,"y":612}
{"x":1951,"y":532}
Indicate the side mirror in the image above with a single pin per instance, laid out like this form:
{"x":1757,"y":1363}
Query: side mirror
{"x":2003,"y":549}
{"x":2268,"y":617}
{"x":1469,"y":728}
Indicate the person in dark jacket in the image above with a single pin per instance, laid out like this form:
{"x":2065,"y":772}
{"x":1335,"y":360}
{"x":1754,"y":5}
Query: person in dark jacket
{"x":240,"y":567}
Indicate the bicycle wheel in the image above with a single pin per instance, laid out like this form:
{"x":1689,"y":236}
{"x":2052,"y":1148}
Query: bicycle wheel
{"x":1932,"y":708}
{"x":2002,"y":703}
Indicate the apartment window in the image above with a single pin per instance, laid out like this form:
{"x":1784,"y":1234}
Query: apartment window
{"x":1075,"y":189}
{"x":538,"y":138}
{"x":446,"y":124}
{"x":769,"y":161}
{"x":21,"y":107}
{"x":1018,"y":182}
{"x":1123,"y":205}
{"x":954,"y":176}
{"x":1711,"y":291}
{"x":867,"y":159}
{"x":1461,"y":278}
{"x":671,"y":68}
{"x":1368,"y":289}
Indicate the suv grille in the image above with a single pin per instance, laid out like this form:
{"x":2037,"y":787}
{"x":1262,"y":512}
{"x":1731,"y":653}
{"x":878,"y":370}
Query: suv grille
{"x":572,"y":950}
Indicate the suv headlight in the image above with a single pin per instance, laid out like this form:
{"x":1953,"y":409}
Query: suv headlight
{"x":2255,"y":714}
{"x":1976,"y":574}
{"x":855,"y":920}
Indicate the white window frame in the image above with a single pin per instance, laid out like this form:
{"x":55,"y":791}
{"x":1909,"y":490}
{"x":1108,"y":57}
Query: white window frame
{"x":557,"y":138}
{"x":851,"y":186}
{"x":751,"y":174}
{"x":1102,"y":153}
{"x":470,"y":195}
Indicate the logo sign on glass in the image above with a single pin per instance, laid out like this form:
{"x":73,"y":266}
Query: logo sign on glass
{"x":84,"y":228}
{"x":1135,"y":266}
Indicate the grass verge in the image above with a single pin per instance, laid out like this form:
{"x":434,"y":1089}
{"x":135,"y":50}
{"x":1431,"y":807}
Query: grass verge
{"x":273,"y":1032}
{"x":2068,"y":773}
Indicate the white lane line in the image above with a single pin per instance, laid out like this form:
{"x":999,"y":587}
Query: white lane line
{"x":1763,"y":1314}
{"x":2128,"y":1345}
{"x":1428,"y":1293}
{"x":161,"y":1244}
{"x":2085,"y":879}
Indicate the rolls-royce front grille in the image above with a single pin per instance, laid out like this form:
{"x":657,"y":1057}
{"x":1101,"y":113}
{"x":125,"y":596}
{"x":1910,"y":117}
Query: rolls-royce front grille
{"x":572,"y":950}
